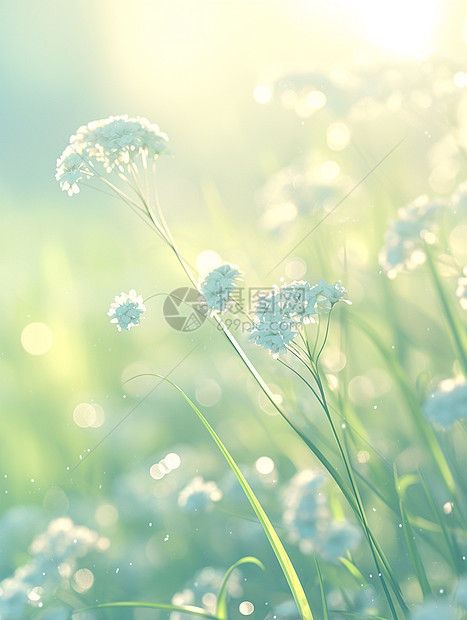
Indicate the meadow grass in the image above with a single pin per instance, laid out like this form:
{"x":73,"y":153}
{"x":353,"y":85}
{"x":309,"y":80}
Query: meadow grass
{"x":371,"y":520}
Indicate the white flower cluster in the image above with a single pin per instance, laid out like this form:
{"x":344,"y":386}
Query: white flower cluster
{"x":448,"y":403}
{"x":309,"y":521}
{"x":199,"y":495}
{"x":280,"y":314}
{"x":55,"y":552}
{"x":113,"y":142}
{"x":405,"y":239}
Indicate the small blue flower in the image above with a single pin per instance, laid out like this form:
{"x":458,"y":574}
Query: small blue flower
{"x":126,"y":310}
{"x":218,"y":286}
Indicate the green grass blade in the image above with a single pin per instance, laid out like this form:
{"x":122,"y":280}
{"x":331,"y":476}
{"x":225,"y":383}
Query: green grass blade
{"x":355,"y":614}
{"x":221,"y":608}
{"x":457,"y":331}
{"x":454,"y":552}
{"x":194,"y":611}
{"x":417,"y":563}
{"x":353,"y":570}
{"x":425,"y":429}
{"x":274,"y":540}
{"x":323,"y":595}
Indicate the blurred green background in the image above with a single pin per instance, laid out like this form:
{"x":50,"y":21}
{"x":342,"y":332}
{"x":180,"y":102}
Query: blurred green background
{"x":192,"y":67}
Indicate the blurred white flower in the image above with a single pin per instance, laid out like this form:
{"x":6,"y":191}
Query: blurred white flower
{"x":202,"y":590}
{"x":405,"y":239}
{"x":460,"y":593}
{"x":127,"y":310}
{"x":433,"y":609}
{"x":461,"y":291}
{"x":448,"y":403}
{"x":199,"y":496}
{"x":368,"y":90}
{"x":302,"y":188}
{"x":285,"y":611}
{"x":55,"y":552}
{"x":309,"y":521}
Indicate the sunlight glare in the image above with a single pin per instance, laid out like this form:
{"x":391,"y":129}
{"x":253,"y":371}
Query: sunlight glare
{"x":398,"y":26}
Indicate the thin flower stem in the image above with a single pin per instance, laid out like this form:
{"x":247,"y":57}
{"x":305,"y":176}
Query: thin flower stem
{"x":304,"y":380}
{"x":325,"y":336}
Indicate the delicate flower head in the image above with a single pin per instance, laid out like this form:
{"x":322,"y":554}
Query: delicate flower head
{"x":461,"y":291}
{"x":332,"y":293}
{"x":126,"y":310}
{"x":274,"y":335}
{"x":280,"y":314}
{"x":199,"y":496}
{"x":71,"y":168}
{"x":113,"y":142}
{"x":405,"y":238}
{"x":448,"y":403}
{"x":218,"y":285}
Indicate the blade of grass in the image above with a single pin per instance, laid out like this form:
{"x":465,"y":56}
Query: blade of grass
{"x":194,"y":611}
{"x":457,"y":332}
{"x":221,"y":608}
{"x":417,"y":562}
{"x":274,"y":540}
{"x":353,"y":570}
{"x":454,"y":552}
{"x":321,"y":589}
{"x":401,"y":378}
